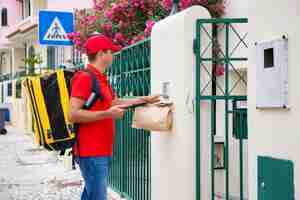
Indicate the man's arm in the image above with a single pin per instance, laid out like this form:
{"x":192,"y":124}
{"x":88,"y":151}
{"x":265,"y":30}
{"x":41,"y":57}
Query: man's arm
{"x":136,"y":101}
{"x":79,"y":115}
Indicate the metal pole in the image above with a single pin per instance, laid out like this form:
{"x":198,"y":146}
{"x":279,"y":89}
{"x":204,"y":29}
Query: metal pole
{"x":241,"y":170}
{"x":175,"y":9}
{"x":198,"y":115}
{"x":227,"y":60}
{"x":213,"y":106}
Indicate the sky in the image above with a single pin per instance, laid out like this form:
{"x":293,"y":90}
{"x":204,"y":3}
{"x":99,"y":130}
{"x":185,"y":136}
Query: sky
{"x":69,"y":4}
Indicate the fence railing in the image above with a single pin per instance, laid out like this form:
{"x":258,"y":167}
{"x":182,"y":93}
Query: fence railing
{"x":131,"y":167}
{"x":5,"y":77}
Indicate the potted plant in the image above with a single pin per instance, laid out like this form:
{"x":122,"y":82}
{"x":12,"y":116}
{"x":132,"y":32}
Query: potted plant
{"x":31,"y":61}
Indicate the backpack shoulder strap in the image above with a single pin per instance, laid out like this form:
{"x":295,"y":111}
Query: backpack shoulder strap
{"x":95,"y":87}
{"x":95,"y":84}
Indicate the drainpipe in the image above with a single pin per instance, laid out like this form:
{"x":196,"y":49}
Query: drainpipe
{"x":25,"y":55}
{"x":1,"y":61}
{"x":11,"y":62}
{"x":175,"y":4}
{"x":213,"y":103}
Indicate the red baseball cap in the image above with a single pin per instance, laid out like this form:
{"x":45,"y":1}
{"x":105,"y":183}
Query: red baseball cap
{"x":98,"y":43}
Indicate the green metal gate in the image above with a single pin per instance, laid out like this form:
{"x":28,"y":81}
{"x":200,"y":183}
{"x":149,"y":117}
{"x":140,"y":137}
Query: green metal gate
{"x":130,"y":77}
{"x":211,"y":54}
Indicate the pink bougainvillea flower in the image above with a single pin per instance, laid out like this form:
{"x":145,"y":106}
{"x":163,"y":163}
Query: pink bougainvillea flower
{"x":91,"y":20}
{"x":167,"y":4}
{"x":77,"y":34}
{"x":122,"y":25}
{"x":147,"y":32}
{"x":120,"y":38}
{"x":70,"y":36}
{"x":137,"y":3}
{"x":183,"y":4}
{"x":217,"y":9}
{"x":131,"y":14}
{"x":108,"y":14}
{"x":107,"y":27}
{"x":141,"y":37}
{"x":137,"y":38}
{"x":99,"y":5}
{"x":115,"y":7}
{"x":83,"y":21}
{"x":220,"y":70}
{"x":150,"y":23}
{"x":77,"y":42}
{"x":76,"y":39}
{"x":142,"y":5}
{"x":127,"y":21}
{"x":149,"y":26}
{"x":201,"y":2}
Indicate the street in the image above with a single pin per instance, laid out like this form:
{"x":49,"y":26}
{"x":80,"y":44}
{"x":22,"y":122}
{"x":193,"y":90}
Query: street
{"x":28,"y":172}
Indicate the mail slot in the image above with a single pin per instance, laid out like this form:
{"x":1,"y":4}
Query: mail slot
{"x":240,"y":122}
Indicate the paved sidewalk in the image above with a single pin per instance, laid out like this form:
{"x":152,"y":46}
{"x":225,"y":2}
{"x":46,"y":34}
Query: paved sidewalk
{"x":28,"y":172}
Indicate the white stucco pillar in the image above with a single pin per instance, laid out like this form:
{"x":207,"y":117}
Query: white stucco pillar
{"x":173,"y":154}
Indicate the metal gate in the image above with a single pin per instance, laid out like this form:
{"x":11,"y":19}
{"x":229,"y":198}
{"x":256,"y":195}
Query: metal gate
{"x":217,"y":45}
{"x":130,"y":77}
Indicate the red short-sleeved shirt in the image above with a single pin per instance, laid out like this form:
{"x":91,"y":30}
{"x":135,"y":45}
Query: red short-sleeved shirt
{"x":96,"y":138}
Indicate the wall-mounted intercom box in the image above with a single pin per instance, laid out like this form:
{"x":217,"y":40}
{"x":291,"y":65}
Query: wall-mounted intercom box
{"x":272,"y":73}
{"x":166,"y":91}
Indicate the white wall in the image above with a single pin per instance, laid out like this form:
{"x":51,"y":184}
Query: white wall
{"x":173,"y":154}
{"x":272,"y":132}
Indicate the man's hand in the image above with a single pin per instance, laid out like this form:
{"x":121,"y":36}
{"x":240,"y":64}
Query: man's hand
{"x":126,"y":103}
{"x":117,"y":112}
{"x":151,"y":99}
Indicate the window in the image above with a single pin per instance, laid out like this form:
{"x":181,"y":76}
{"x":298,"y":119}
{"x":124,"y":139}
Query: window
{"x":27,"y":9}
{"x":2,"y":93}
{"x":269,"y":58}
{"x":4,"y":17}
{"x":9,"y":89}
{"x":31,"y":51}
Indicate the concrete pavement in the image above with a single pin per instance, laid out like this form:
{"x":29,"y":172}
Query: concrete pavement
{"x":28,"y":172}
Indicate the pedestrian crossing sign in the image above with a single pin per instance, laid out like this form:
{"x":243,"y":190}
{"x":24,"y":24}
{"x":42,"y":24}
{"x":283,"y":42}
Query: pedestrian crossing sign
{"x":54,"y":27}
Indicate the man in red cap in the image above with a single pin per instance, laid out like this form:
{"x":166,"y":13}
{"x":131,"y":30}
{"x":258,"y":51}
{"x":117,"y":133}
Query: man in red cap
{"x":96,"y":129}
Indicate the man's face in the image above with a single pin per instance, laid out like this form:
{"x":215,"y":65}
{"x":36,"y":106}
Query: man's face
{"x":105,"y":57}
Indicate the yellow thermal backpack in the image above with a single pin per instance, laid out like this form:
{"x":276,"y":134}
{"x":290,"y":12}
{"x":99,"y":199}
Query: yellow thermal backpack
{"x":49,"y":98}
